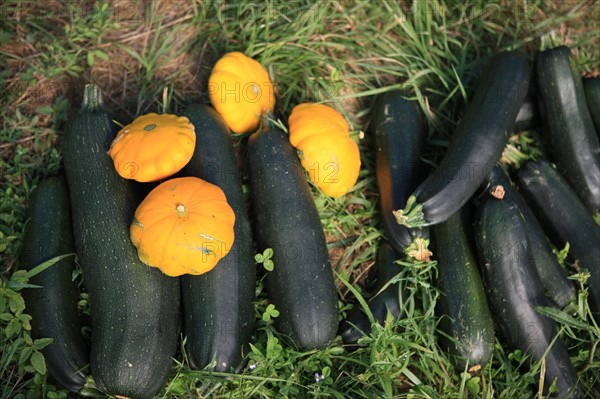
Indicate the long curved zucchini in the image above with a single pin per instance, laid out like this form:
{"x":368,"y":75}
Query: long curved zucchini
{"x":134,"y":308}
{"x":301,"y":286}
{"x":476,"y":145}
{"x":53,"y":307}
{"x":357,"y":324}
{"x":554,"y":278}
{"x":218,"y":315}
{"x":514,"y":290}
{"x":466,"y":317}
{"x":591,"y":87}
{"x":568,"y":124}
{"x":564,"y":218}
{"x":399,"y":134}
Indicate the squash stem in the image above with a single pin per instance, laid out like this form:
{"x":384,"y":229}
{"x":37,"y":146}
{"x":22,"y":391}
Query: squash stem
{"x":549,"y":41}
{"x":268,"y":120}
{"x":418,"y":250}
{"x":412,"y":215}
{"x":92,"y":98}
{"x":181,"y":211}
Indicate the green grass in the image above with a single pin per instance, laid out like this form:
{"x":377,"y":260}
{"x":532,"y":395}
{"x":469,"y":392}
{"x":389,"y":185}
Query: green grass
{"x":339,"y":52}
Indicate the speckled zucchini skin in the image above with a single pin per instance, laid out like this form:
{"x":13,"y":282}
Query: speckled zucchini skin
{"x":568,"y":124}
{"x":564,"y":218}
{"x":477,"y":143}
{"x":399,"y":134}
{"x":53,"y":307}
{"x":218,"y":314}
{"x":286,"y":219}
{"x":463,"y":305}
{"x":134,"y":308}
{"x":514,"y":291}
{"x":591,"y":87}
{"x":555,"y":279}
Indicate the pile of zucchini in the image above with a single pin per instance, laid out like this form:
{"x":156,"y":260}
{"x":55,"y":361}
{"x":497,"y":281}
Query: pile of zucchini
{"x":135,"y":309}
{"x":497,"y":267}
{"x":495,"y":263}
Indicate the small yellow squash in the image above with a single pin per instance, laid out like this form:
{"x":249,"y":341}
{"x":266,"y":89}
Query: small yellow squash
{"x":153,"y":147}
{"x":241,"y":91}
{"x":326,"y":151}
{"x":184,"y":226}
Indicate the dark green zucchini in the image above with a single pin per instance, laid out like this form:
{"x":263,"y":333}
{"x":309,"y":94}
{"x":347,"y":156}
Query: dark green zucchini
{"x":134,"y":308}
{"x":514,"y":290}
{"x":465,"y":316}
{"x":568,"y":124}
{"x":554,"y":278}
{"x":477,"y":143}
{"x":357,"y":324}
{"x":529,"y":114}
{"x":53,"y":307}
{"x":301,"y":286}
{"x":218,"y":314}
{"x":399,"y":134}
{"x":564,"y":218}
{"x":591,"y":87}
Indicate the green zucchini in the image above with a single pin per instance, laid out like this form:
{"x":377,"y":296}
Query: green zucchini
{"x":301,"y":286}
{"x":568,"y":124}
{"x":564,"y":218}
{"x":553,"y":276}
{"x":466,"y":320}
{"x":134,"y":308}
{"x":399,"y":135}
{"x":218,"y":314}
{"x":53,"y":306}
{"x":357,"y":323}
{"x":477,"y":143}
{"x":514,"y":291}
{"x":529,"y":114}
{"x":591,"y":87}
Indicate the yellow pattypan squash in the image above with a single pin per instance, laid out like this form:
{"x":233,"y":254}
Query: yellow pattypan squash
{"x":326,"y":151}
{"x":241,"y":91}
{"x":153,"y":147}
{"x":183,"y":226}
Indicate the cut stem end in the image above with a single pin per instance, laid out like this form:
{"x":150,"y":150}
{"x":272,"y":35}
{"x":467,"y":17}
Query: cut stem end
{"x":412,"y":215}
{"x":419,"y":250}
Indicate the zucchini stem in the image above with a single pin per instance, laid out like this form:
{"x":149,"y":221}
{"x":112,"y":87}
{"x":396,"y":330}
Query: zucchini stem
{"x":418,"y":250}
{"x":92,"y":98}
{"x":549,"y":41}
{"x":412,"y":215}
{"x":268,"y":119}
